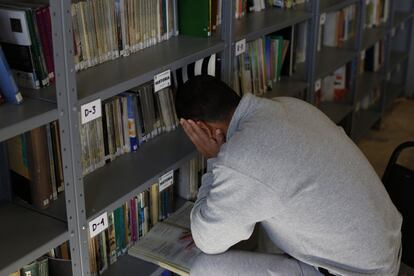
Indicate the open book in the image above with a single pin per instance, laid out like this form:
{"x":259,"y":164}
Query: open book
{"x":162,"y":245}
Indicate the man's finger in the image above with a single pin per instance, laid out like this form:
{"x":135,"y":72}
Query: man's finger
{"x":201,"y":133}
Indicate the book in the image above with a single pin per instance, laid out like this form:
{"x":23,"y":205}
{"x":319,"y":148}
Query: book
{"x":8,"y":86}
{"x":163,"y":245}
{"x":193,"y":18}
{"x":31,"y":269}
{"x":30,"y":166}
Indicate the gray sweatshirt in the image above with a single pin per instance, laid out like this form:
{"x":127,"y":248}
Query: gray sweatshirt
{"x":289,"y":167}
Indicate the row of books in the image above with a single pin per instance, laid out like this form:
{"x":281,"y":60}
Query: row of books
{"x":337,"y":27}
{"x":26,"y":38}
{"x":35,"y":163}
{"x":269,"y":58}
{"x":131,"y":221}
{"x":376,"y":12}
{"x":55,"y":263}
{"x":334,"y":87}
{"x":128,"y":120}
{"x":136,"y":116}
{"x":102,"y":30}
{"x":242,"y":7}
{"x":372,"y":59}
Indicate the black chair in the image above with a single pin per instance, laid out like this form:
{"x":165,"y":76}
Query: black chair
{"x":399,"y":182}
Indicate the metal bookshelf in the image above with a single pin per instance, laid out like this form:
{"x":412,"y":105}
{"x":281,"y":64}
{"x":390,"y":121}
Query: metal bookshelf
{"x":135,"y":172}
{"x":128,"y":72}
{"x":367,"y":82}
{"x":255,"y":25}
{"x":89,"y":196}
{"x":27,"y":235}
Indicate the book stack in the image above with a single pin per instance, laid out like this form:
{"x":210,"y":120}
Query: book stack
{"x":242,"y":7}
{"x":26,"y":39}
{"x":130,"y":222}
{"x":55,"y":263}
{"x":334,"y":87}
{"x":269,"y":58}
{"x":190,"y":177}
{"x":376,"y":12}
{"x":105,"y":30}
{"x":338,"y":27}
{"x":35,"y":162}
{"x":127,"y":121}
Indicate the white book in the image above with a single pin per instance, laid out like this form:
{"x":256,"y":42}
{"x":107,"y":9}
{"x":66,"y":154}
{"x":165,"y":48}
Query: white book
{"x":163,"y":245}
{"x":329,"y":36}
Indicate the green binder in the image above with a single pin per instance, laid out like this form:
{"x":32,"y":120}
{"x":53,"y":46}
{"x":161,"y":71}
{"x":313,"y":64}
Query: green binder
{"x":193,"y":17}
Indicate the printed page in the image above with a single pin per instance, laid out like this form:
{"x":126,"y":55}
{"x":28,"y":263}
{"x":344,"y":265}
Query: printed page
{"x":163,"y":244}
{"x":181,"y":217}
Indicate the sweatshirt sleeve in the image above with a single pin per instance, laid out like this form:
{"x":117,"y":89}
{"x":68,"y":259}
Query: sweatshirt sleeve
{"x":228,"y":206}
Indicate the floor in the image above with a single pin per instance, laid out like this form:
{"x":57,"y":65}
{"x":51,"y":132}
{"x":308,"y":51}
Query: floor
{"x":396,"y":127}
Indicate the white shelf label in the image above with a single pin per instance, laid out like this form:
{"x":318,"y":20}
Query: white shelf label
{"x":318,"y":84}
{"x":162,"y":80}
{"x":322,"y":19}
{"x":402,"y":27}
{"x":362,"y":55}
{"x":166,"y":180}
{"x":91,"y":111}
{"x":388,"y":76}
{"x":393,"y":31}
{"x":98,"y":224}
{"x":240,"y":47}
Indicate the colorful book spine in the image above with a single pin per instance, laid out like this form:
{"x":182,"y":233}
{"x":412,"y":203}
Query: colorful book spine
{"x":8,"y":87}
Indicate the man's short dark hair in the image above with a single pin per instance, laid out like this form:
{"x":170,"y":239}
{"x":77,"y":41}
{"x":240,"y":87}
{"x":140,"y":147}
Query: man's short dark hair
{"x":205,"y":98}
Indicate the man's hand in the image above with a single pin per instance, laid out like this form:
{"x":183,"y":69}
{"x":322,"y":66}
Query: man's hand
{"x":207,"y":145}
{"x":187,"y":237}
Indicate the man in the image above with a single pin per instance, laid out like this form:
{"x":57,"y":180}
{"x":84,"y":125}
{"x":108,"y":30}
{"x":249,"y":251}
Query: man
{"x":285,"y":165}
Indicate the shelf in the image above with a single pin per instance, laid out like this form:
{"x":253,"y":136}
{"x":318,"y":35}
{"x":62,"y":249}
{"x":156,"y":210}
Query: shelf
{"x":287,"y":87}
{"x":128,"y":265}
{"x":26,"y":235}
{"x":17,"y":119}
{"x":335,"y":111}
{"x":334,"y":5}
{"x":372,"y":36}
{"x":392,"y":92}
{"x":57,"y":208}
{"x":257,"y":24}
{"x":47,"y":94}
{"x":366,"y":83}
{"x":330,"y":58}
{"x":400,"y":17}
{"x":111,"y":78}
{"x":396,"y":58}
{"x":364,"y":120}
{"x":109,"y":187}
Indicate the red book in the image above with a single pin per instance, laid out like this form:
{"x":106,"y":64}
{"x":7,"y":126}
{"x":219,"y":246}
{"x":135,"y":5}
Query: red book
{"x":43,"y":20}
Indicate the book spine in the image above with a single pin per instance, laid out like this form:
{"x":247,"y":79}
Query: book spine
{"x":36,"y":49}
{"x":51,"y":162}
{"x":41,"y":25}
{"x":8,"y":86}
{"x":39,"y":168}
